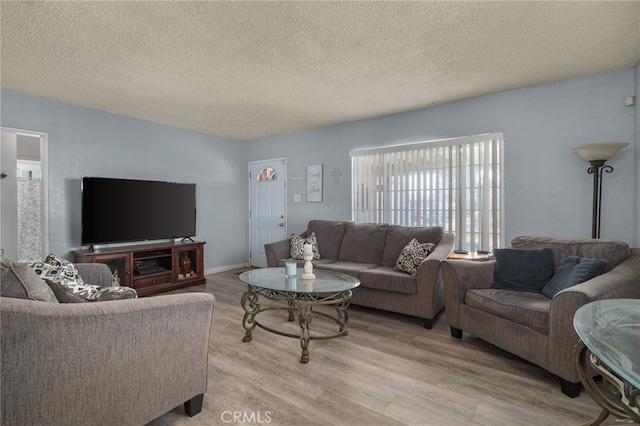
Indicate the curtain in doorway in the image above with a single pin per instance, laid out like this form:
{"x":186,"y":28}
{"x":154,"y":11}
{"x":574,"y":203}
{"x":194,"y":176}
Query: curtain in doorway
{"x":29,"y":220}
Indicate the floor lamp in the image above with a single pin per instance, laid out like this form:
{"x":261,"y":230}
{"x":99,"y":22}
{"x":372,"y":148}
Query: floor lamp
{"x":597,"y":155}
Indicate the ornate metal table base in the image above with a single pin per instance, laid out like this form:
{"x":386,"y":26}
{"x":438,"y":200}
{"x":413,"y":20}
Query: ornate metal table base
{"x":303,"y":303}
{"x":627,"y":405}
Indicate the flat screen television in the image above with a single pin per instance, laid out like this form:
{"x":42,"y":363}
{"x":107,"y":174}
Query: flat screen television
{"x":126,"y":210}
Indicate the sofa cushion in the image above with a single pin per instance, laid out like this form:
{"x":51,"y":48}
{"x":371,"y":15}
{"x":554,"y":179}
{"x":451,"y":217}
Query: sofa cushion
{"x":399,"y":236}
{"x":19,"y":280}
{"x":614,"y":252}
{"x":387,"y":279}
{"x":364,"y":242}
{"x":573,"y":270}
{"x":297,"y":246}
{"x":528,"y":309}
{"x":329,"y":234}
{"x":522,"y":270}
{"x":412,"y":256}
{"x":346,"y":267}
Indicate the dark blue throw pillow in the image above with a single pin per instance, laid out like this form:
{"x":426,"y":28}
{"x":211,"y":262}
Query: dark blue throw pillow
{"x":574,"y":270}
{"x":522,"y":270}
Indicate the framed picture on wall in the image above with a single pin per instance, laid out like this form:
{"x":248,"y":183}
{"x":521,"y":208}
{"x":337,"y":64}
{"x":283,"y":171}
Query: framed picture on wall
{"x":314,"y":183}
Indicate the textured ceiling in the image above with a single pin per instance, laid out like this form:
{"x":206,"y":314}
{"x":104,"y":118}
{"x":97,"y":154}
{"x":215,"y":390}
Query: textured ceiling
{"x":248,"y":70}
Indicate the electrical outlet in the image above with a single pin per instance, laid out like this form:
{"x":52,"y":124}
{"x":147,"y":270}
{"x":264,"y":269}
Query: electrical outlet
{"x":296,"y":198}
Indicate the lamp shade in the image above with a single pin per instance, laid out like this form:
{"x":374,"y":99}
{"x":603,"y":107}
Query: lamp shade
{"x":602,"y":151}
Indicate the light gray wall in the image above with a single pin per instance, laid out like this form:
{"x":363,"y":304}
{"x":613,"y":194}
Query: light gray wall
{"x":547,"y":188}
{"x":86,"y":142}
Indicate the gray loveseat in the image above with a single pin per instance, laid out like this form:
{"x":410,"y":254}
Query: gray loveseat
{"x":369,"y":252}
{"x":532,"y":325}
{"x":120,"y":362}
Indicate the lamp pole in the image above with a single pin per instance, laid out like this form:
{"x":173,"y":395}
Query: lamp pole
{"x":597,"y":155}
{"x":597,"y":168}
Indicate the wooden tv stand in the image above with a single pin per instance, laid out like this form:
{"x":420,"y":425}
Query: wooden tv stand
{"x":151,"y":268}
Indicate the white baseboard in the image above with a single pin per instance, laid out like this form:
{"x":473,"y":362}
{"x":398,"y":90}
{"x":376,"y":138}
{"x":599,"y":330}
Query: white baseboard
{"x":226,"y":268}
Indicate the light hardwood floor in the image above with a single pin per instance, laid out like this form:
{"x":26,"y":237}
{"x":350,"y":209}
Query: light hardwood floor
{"x":387,"y":371}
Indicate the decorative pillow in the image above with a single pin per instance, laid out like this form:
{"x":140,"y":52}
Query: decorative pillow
{"x":574,"y":270}
{"x":297,"y":246}
{"x":68,"y":287}
{"x":58,"y":270}
{"x":522,"y":270}
{"x":114,"y":293}
{"x":63,"y":295}
{"x":18,"y":280}
{"x":412,"y":256}
{"x":90,"y":293}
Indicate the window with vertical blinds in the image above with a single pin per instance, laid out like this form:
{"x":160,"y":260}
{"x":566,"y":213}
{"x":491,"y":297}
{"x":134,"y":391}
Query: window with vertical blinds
{"x":453,"y":183}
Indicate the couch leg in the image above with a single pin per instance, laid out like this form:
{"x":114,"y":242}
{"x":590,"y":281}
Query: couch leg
{"x":194,"y":405}
{"x":572,"y":390}
{"x":427,"y":323}
{"x":456,"y":332}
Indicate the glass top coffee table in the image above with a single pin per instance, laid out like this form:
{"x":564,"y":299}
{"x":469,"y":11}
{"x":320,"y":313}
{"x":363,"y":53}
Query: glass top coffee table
{"x":610,"y":329}
{"x":328,"y":288}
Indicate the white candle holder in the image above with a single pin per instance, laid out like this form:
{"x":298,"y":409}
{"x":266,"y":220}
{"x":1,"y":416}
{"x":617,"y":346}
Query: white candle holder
{"x":308,"y":267}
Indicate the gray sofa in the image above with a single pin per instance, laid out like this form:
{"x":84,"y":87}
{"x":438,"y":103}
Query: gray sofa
{"x":369,"y":252}
{"x":532,"y":325}
{"x":120,"y":362}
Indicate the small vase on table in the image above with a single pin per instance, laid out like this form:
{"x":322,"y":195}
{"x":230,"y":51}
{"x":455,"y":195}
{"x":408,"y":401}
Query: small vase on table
{"x":186,"y":265}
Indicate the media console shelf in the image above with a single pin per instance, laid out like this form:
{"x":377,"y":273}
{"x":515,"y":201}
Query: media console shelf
{"x":151,"y":268}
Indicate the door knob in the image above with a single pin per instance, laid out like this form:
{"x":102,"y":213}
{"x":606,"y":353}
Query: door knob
{"x":281,"y":224}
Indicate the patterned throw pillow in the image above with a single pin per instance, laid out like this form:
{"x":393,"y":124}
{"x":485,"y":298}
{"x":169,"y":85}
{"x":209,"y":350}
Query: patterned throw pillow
{"x":62,"y":275}
{"x":412,"y":256}
{"x":90,"y":293}
{"x":297,"y":246}
{"x":58,"y":270}
{"x":63,"y":295}
{"x":113,"y":293}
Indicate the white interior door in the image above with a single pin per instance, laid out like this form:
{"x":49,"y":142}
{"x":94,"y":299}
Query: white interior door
{"x":24,"y":214}
{"x":267,"y":189}
{"x":9,"y":196}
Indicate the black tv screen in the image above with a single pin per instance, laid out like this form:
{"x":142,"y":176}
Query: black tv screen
{"x":125,"y":210}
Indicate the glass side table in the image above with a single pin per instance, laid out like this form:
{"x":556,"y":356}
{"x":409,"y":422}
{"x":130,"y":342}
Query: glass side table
{"x":610,"y":329}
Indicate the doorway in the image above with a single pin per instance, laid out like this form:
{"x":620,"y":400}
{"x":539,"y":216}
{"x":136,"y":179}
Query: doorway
{"x":267,"y":206}
{"x":24,"y":225}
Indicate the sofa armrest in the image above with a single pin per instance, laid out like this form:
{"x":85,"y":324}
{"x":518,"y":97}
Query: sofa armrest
{"x":430,"y":266}
{"x":443,"y":249}
{"x":95,"y":273}
{"x":458,"y":276}
{"x":463,"y":275}
{"x":622,"y":282}
{"x":128,"y":361}
{"x":276,"y":251}
{"x":429,"y":279}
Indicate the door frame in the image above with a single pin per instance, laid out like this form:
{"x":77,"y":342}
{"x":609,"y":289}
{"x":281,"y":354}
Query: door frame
{"x":284,"y":160}
{"x":44,"y":180}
